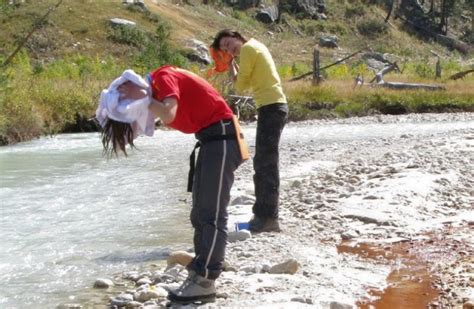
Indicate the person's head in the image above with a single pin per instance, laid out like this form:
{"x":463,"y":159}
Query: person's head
{"x":123,"y":112}
{"x":228,"y":41}
{"x":115,"y":137}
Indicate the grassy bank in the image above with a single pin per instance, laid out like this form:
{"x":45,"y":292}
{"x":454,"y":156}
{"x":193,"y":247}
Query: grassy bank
{"x":340,"y":99}
{"x":49,"y":89}
{"x":53,"y":84}
{"x":47,"y":99}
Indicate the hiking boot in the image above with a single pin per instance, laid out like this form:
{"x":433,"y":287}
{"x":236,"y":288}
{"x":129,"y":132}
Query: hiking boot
{"x":259,"y":225}
{"x":194,"y":289}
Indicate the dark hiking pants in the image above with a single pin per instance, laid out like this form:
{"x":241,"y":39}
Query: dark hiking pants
{"x":271,"y":120}
{"x":213,"y":179}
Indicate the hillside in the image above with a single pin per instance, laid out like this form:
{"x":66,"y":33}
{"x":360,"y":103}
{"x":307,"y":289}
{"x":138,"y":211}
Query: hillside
{"x":80,"y":26}
{"x":76,"y":45}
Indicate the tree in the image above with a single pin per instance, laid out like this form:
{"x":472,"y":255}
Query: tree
{"x":470,"y":6}
{"x":447,"y":9}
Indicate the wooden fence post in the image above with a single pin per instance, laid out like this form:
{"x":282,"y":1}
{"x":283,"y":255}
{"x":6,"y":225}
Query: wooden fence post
{"x":316,"y":67}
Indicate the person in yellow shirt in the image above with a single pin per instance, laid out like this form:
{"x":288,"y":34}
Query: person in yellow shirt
{"x":257,"y":72}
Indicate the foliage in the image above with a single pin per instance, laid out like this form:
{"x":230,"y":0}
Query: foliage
{"x":312,"y":27}
{"x":287,"y":71}
{"x":157,"y":51}
{"x":129,"y":35}
{"x":340,"y":98}
{"x":355,"y":10}
{"x":5,"y":8}
{"x":372,"y":28}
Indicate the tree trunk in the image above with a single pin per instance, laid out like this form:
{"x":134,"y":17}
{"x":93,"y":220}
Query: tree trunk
{"x":431,"y":7}
{"x":405,"y":86}
{"x":443,"y":26}
{"x":390,"y":10}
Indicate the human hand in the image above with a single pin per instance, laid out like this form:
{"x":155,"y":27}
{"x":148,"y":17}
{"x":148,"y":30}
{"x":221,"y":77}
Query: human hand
{"x":234,"y":70}
{"x":132,"y":91}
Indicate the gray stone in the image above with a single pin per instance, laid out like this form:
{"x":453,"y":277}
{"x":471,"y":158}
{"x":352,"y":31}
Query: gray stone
{"x":337,"y":305}
{"x":243,"y":200}
{"x":239,"y":236}
{"x":122,"y":22}
{"x":329,"y":41}
{"x":103,"y":283}
{"x":288,"y":267}
{"x":268,"y":15}
{"x":198,"y":51}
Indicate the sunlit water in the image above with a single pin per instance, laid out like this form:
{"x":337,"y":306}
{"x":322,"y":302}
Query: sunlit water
{"x":69,"y":216}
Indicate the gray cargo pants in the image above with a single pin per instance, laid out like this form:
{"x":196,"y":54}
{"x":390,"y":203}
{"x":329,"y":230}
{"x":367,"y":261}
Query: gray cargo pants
{"x":212,"y":181}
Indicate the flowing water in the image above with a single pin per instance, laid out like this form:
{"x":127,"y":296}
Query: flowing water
{"x":69,"y":216}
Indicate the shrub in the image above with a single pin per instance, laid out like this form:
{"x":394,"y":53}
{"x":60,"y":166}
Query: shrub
{"x":356,"y":10}
{"x":372,"y":28}
{"x":158,"y":52}
{"x":129,"y":35}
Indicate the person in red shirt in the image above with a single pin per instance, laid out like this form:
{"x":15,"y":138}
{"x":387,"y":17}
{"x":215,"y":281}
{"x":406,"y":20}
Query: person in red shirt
{"x":188,"y":103}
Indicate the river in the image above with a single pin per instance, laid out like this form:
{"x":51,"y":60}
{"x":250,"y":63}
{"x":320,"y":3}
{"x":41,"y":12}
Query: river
{"x":69,"y":216}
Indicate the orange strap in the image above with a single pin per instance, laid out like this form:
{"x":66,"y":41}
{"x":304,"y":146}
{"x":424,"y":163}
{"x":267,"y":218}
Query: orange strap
{"x":244,"y":149}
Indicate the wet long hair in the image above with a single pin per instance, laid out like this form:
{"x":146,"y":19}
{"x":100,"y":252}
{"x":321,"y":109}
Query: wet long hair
{"x":115,"y":137}
{"x":224,"y":34}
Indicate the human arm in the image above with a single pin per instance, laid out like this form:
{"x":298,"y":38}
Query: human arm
{"x":248,"y":57}
{"x":165,"y":110}
{"x":131,"y":91}
{"x":234,"y":69}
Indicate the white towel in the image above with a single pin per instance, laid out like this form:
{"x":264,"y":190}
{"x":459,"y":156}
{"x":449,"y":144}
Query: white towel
{"x":128,"y":111}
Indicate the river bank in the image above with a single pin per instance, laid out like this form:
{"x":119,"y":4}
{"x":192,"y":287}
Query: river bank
{"x":354,"y":214}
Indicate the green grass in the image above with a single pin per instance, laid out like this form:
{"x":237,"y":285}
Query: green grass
{"x":340,"y":99}
{"x":57,"y":78}
{"x":39,"y":97}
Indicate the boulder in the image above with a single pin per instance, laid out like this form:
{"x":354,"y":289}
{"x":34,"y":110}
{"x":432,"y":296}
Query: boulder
{"x":179,"y":257}
{"x":103,"y":283}
{"x":268,"y":15}
{"x":329,"y":41}
{"x":122,"y":22}
{"x":198,"y":51}
{"x":305,"y":8}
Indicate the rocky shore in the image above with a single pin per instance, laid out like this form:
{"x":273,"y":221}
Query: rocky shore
{"x":352,"y":214}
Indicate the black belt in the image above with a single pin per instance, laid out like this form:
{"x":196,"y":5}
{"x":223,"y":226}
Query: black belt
{"x":192,"y":157}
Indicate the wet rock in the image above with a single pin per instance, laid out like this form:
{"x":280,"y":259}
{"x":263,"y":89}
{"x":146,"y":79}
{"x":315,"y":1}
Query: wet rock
{"x":177,"y":272}
{"x":131,"y":275}
{"x":134,"y":304}
{"x":70,"y":306}
{"x":103,"y":283}
{"x":121,"y":300}
{"x":143,"y":281}
{"x":147,"y":294}
{"x":179,"y":257}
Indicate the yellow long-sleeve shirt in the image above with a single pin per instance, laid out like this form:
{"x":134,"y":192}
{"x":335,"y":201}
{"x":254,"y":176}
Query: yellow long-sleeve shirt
{"x":258,"y":72}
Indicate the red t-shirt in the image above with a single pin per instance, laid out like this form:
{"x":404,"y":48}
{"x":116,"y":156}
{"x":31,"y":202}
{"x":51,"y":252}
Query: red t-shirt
{"x":199,"y":104}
